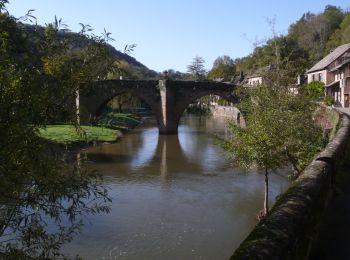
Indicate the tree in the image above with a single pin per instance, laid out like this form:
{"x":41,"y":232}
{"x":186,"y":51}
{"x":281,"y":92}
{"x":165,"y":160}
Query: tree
{"x":224,"y":69}
{"x":125,"y":99}
{"x":76,"y":61}
{"x":314,"y":89}
{"x":176,"y":75}
{"x":36,"y":77}
{"x":196,"y":69}
{"x":313,"y":31}
{"x":280,"y":130}
{"x":340,"y":36}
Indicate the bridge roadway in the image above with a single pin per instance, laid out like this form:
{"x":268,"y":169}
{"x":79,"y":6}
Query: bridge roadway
{"x":167,"y":98}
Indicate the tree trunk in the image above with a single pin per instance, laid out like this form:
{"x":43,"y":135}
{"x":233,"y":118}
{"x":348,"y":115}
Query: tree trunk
{"x":293,"y":161}
{"x":266,"y":201}
{"x":77,"y":107}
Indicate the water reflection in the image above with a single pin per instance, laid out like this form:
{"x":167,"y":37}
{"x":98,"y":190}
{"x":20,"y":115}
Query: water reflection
{"x":43,"y":209}
{"x":156,"y":154}
{"x":174,"y":197}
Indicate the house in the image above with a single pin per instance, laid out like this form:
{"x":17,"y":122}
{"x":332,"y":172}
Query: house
{"x":334,"y":71}
{"x":254,"y":80}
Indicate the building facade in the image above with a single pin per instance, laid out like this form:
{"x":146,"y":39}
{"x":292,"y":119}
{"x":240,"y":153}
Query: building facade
{"x":334,"y":71}
{"x":254,"y":80}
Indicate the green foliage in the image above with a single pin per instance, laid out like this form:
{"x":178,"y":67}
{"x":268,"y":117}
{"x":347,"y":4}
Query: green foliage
{"x":39,"y":74}
{"x":313,"y":31}
{"x":279,"y":52}
{"x":328,"y":100}
{"x":340,"y":36}
{"x":68,"y":134}
{"x":224,"y":69}
{"x":3,"y":4}
{"x":177,"y":75}
{"x":196,"y":69}
{"x":307,"y":41}
{"x":124,"y":100}
{"x":201,"y":107}
{"x":125,"y":71}
{"x":280,"y":130}
{"x":328,"y":119}
{"x":314,"y":90}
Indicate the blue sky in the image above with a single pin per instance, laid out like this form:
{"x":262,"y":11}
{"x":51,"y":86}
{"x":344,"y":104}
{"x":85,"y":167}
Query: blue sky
{"x":169,"y":33}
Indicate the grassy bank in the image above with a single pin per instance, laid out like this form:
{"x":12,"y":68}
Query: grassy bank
{"x":68,"y":134}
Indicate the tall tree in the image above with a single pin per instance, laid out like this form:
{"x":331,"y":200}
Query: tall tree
{"x":196,"y":69}
{"x":280,"y":130}
{"x":224,"y":68}
{"x":313,"y":31}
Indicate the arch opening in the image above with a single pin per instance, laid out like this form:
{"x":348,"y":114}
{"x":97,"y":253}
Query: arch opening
{"x":215,"y":105}
{"x":123,"y":110}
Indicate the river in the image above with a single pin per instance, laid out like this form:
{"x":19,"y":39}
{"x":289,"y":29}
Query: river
{"x":174,"y":197}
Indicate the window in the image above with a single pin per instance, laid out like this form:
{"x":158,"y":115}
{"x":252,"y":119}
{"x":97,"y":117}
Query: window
{"x":320,"y":76}
{"x":313,"y":77}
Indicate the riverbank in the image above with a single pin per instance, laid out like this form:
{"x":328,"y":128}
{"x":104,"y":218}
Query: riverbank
{"x":109,"y":129}
{"x":69,"y":136}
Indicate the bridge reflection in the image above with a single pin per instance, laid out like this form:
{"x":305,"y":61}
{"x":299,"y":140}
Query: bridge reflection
{"x":144,"y":153}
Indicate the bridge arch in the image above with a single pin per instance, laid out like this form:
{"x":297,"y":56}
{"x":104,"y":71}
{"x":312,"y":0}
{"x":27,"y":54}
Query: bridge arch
{"x":93,"y":100}
{"x":105,"y":103}
{"x":168,"y":99}
{"x":191,"y":99}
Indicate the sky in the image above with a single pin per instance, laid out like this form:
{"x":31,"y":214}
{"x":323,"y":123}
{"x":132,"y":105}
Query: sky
{"x":170,"y":33}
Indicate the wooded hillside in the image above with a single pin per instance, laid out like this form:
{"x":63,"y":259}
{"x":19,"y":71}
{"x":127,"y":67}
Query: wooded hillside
{"x":308,"y":40}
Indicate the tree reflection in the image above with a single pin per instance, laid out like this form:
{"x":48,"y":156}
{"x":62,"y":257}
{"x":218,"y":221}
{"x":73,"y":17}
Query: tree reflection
{"x":43,"y":206}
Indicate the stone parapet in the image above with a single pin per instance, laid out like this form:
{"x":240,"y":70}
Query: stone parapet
{"x":287,"y":230}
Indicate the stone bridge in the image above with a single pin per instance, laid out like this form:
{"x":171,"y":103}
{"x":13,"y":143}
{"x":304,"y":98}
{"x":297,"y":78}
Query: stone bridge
{"x":168,"y":99}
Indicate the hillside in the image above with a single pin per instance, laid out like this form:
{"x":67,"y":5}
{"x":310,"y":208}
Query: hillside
{"x":308,"y":40}
{"x":134,"y":69}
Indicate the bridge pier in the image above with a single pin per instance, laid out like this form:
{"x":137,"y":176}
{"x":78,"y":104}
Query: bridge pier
{"x":167,"y":118}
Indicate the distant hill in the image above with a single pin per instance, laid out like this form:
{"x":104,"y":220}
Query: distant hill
{"x":140,"y":69}
{"x":136,"y":69}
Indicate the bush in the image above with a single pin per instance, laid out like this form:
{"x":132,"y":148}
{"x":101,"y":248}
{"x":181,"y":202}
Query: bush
{"x":314,"y":89}
{"x":328,"y":100}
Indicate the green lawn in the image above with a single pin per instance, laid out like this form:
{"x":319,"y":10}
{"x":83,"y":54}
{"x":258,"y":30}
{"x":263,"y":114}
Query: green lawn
{"x":67,"y":134}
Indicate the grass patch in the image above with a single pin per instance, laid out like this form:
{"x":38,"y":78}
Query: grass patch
{"x":68,"y":134}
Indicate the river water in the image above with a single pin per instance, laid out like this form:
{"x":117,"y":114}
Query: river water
{"x":174,"y":197}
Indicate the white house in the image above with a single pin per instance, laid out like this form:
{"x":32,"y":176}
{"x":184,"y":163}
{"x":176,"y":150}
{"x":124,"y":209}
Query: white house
{"x":334,"y":71}
{"x":254,"y":80}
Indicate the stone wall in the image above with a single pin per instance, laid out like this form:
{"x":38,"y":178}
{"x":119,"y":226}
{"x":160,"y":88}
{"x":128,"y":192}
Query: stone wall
{"x":287,"y":230}
{"x":228,"y":112}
